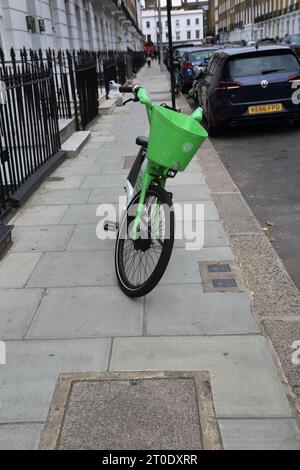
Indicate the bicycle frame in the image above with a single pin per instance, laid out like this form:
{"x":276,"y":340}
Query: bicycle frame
{"x":152,"y":172}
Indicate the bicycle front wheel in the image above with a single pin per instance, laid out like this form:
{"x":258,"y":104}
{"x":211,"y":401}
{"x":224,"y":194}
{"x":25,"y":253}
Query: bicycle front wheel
{"x":141,"y":262}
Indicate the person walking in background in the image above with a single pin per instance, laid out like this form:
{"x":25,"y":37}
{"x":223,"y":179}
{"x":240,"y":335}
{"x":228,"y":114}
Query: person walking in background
{"x":149,"y":60}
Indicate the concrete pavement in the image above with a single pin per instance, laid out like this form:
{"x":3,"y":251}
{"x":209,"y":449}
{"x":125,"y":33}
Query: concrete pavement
{"x":63,"y":311}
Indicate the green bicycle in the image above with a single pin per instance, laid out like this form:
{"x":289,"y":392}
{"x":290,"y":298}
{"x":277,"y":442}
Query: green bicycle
{"x":145,"y":236}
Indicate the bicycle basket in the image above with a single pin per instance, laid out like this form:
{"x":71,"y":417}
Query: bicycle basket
{"x":174,"y":138}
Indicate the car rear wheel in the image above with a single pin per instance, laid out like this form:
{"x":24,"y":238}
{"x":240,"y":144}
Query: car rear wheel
{"x":212,"y":129}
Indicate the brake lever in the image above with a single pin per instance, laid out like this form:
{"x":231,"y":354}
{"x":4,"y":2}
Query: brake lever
{"x":127,"y":101}
{"x":131,"y":99}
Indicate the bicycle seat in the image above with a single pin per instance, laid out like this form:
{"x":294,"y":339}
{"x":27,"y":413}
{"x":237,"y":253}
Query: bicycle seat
{"x":142,"y":141}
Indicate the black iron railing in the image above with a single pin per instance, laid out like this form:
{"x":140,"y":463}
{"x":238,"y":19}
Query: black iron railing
{"x":28,"y":122}
{"x":85,"y":65}
{"x":39,"y":88}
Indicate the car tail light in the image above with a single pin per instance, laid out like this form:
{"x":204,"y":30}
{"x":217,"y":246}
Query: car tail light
{"x":295,"y":78}
{"x":227,"y":86}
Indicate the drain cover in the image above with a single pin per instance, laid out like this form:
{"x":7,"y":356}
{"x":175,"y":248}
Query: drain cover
{"x":227,"y":283}
{"x":221,"y":276}
{"x":123,"y":411}
{"x":219,"y":268}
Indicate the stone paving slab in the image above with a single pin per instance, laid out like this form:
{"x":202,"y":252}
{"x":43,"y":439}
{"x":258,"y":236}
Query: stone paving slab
{"x":70,"y":269}
{"x":189,"y":269}
{"x":106,"y":195}
{"x":87,"y":312}
{"x":19,"y":436}
{"x":81,"y":214}
{"x":60,"y":197}
{"x":28,"y":380}
{"x":189,"y":210}
{"x":244,"y":381}
{"x":214,"y":235}
{"x":207,"y":314}
{"x":118,"y":150}
{"x":211,"y":253}
{"x":44,"y":215}
{"x":116,"y":168}
{"x":39,"y":239}
{"x":183,"y":179}
{"x":83,"y":169}
{"x":263,"y":434}
{"x":103,"y":181}
{"x":18,"y":307}
{"x":16,"y":269}
{"x":84,"y":238}
{"x":68,"y":182}
{"x":95,"y":139}
{"x":195,"y":193}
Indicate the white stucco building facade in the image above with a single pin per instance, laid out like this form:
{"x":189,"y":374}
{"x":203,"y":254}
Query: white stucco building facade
{"x":69,"y":24}
{"x":187,"y":25}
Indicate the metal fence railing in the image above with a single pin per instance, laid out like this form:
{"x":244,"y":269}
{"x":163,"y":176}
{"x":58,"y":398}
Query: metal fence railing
{"x":29,"y":132}
{"x":37,"y":89}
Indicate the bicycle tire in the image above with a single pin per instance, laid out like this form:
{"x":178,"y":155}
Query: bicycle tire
{"x":162,"y":263}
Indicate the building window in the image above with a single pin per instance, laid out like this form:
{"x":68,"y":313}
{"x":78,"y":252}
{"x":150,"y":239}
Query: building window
{"x":148,"y":37}
{"x":78,"y":24}
{"x":148,"y":24}
{"x":188,"y":35}
{"x":188,"y":22}
{"x":69,"y":23}
{"x":167,"y":36}
{"x":166,"y":24}
{"x":197,"y":34}
{"x":197,"y":21}
{"x":177,"y":35}
{"x":177,"y":23}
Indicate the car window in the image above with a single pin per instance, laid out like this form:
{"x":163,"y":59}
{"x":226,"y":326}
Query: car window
{"x":295,"y":38}
{"x":260,"y":65}
{"x":200,"y":56}
{"x":212,"y":66}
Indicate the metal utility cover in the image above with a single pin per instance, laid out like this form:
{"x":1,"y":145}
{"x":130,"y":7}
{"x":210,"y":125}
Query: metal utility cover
{"x":219,"y":268}
{"x":221,"y":276}
{"x":124,"y":411}
{"x":228,"y":283}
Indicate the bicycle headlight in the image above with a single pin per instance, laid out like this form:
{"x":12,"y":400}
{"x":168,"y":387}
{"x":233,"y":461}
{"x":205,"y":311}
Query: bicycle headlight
{"x":173,"y":171}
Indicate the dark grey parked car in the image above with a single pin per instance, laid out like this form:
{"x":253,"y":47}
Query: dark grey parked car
{"x":249,"y":85}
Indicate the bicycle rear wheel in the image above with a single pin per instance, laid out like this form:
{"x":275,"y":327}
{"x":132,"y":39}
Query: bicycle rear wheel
{"x":141,"y":263}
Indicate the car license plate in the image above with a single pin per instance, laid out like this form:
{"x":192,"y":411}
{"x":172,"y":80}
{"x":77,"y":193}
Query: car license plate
{"x":265,"y":108}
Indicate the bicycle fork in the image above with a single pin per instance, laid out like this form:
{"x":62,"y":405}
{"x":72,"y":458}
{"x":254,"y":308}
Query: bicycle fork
{"x":148,"y":178}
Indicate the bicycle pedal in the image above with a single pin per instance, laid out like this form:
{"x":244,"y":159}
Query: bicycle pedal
{"x":111,"y":226}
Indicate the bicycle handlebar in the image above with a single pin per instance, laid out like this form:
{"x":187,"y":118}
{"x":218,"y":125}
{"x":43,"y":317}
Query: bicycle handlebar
{"x":142,"y":96}
{"x":126,"y":89}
